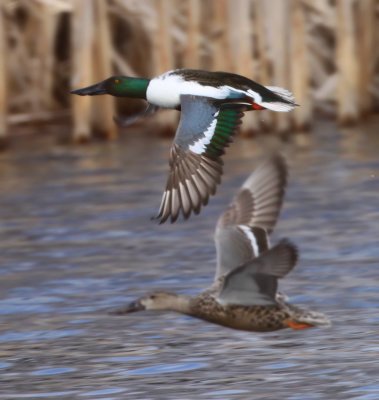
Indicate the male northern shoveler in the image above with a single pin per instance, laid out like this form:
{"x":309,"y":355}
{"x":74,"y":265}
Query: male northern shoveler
{"x":244,"y":293}
{"x":212,"y":105}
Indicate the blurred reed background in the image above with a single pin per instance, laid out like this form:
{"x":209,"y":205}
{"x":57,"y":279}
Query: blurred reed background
{"x":326,"y":52}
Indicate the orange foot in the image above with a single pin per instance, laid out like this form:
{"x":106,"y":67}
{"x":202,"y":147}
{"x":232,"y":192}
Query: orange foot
{"x":297,"y":325}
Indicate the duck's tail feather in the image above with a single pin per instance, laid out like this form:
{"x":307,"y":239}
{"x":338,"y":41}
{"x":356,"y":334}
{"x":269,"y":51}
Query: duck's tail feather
{"x":308,"y":319}
{"x":288,"y":103}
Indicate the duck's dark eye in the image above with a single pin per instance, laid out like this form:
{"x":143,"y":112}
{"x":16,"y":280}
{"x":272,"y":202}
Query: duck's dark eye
{"x":117,"y":81}
{"x":153,"y":296}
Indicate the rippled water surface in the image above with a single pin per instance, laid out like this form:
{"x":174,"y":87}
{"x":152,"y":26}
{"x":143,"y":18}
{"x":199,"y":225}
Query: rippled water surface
{"x":76,"y":241}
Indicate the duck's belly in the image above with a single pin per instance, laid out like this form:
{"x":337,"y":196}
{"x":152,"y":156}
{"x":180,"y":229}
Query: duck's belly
{"x":255,"y":319}
{"x":252,"y":318}
{"x":165,"y":90}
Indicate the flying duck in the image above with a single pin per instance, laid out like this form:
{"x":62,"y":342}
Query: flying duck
{"x":244,"y":292}
{"x":212,"y":105}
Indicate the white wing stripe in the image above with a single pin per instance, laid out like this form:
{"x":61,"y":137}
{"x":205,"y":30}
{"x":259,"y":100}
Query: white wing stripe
{"x":246,"y":230}
{"x":199,"y":146}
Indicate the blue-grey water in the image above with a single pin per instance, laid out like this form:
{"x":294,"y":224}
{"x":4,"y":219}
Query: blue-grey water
{"x":76,"y":241}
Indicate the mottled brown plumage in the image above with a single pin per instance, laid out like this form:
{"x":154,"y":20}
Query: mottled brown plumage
{"x":206,"y":306}
{"x":247,"y":318}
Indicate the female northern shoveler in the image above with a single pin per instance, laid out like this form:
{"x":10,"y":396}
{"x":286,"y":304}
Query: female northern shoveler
{"x":244,"y":293}
{"x":212,"y":106}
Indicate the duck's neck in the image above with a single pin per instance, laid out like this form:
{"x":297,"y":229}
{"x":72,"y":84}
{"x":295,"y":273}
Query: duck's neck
{"x":180,"y":304}
{"x":132,"y":87}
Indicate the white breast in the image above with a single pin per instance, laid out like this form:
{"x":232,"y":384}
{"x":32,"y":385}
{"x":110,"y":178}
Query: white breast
{"x":165,"y":90}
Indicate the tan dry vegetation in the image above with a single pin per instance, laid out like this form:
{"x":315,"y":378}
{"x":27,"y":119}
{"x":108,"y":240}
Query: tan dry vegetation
{"x":325,"y":51}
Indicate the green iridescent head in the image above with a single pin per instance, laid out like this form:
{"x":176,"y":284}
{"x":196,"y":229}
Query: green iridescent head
{"x":120,"y":86}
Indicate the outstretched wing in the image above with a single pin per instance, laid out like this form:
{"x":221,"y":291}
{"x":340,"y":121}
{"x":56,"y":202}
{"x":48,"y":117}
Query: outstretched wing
{"x":256,"y":282}
{"x":242,"y":230}
{"x":205,"y":129}
{"x":260,"y":198}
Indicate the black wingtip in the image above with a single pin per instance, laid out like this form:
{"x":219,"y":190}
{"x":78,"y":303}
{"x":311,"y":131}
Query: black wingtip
{"x":158,"y":219}
{"x":155,"y":218}
{"x":161,"y":220}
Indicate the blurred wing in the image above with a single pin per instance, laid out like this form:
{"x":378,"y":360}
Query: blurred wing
{"x":256,"y":282}
{"x":259,"y":201}
{"x":205,"y":129}
{"x":278,"y":261}
{"x":127,"y":121}
{"x":253,"y":213}
{"x":238,"y":244}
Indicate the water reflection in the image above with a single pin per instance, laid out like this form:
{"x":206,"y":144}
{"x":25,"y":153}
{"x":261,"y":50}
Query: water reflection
{"x":165,"y":369}
{"x":76,"y":241}
{"x":52,"y":371}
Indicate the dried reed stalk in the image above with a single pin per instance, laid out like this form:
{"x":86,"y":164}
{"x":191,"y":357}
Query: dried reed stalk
{"x":48,"y":25}
{"x":241,"y":45}
{"x":82,"y":56}
{"x":3,"y":78}
{"x":220,"y":49}
{"x":192,"y":49}
{"x":347,"y":65}
{"x":366,"y":29}
{"x":264,"y":60}
{"x":300,"y":67}
{"x":163,"y":58}
{"x":103,"y":106}
{"x":277,"y":19}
